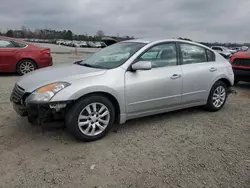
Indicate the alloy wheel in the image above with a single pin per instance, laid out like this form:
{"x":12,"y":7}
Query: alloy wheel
{"x":219,"y":96}
{"x":27,"y":67}
{"x":93,"y":119}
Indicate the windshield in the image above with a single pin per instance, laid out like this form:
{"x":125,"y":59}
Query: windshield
{"x":112,"y":56}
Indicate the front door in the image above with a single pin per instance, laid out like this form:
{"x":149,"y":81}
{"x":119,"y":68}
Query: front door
{"x":149,"y":91}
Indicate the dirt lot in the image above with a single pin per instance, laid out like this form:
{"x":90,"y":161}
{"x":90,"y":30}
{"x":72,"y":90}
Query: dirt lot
{"x":188,"y":148}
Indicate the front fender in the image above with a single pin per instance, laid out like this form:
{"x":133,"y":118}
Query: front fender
{"x":95,"y":89}
{"x":101,"y":83}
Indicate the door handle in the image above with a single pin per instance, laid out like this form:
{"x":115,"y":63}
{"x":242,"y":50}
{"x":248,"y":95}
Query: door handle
{"x":175,"y":76}
{"x":212,"y":69}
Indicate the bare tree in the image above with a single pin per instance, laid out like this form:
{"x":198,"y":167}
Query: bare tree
{"x":100,"y":33}
{"x":10,"y":33}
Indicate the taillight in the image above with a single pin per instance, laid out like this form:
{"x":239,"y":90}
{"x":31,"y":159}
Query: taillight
{"x":46,"y":51}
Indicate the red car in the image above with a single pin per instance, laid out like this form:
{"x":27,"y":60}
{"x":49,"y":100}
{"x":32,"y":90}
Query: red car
{"x":22,"y":57}
{"x":241,"y":66}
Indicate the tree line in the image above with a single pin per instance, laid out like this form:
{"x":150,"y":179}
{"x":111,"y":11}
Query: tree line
{"x":69,"y":35}
{"x":55,"y":34}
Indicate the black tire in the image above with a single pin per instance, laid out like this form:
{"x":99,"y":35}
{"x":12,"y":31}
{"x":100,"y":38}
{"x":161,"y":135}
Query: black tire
{"x":18,"y":68}
{"x":73,"y":114}
{"x":236,"y":82}
{"x":210,"y":106}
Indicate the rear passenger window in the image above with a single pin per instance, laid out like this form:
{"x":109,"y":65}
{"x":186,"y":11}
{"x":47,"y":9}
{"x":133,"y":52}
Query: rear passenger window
{"x":210,"y":56}
{"x":192,"y":54}
{"x":19,"y":45}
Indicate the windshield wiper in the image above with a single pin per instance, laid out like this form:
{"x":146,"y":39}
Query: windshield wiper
{"x":78,"y":62}
{"x":92,"y":66}
{"x":88,"y":65}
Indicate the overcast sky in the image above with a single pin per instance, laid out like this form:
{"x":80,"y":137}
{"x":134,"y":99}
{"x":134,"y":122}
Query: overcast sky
{"x":202,"y":20}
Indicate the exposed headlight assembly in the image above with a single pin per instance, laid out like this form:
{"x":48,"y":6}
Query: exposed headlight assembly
{"x":45,"y":93}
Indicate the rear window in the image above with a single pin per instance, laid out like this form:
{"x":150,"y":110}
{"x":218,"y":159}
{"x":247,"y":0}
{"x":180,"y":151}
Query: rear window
{"x":192,"y":53}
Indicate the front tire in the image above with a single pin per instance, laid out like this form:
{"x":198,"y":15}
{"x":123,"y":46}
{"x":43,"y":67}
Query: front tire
{"x":90,"y":118}
{"x":217,"y":97}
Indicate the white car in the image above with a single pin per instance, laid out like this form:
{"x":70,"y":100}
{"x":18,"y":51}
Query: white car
{"x":83,"y":44}
{"x":225,"y":52}
{"x":100,"y":44}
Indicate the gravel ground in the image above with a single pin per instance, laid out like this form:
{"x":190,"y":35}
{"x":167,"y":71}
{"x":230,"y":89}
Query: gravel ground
{"x":188,"y":148}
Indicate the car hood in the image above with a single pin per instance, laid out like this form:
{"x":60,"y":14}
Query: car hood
{"x":224,"y":52}
{"x":243,"y":54}
{"x":63,"y":73}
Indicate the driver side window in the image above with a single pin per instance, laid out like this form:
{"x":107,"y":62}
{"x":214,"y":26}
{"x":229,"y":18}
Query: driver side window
{"x":161,"y":55}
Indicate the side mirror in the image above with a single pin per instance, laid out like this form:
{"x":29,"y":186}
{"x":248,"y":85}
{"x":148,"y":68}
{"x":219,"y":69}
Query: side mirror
{"x":142,"y":65}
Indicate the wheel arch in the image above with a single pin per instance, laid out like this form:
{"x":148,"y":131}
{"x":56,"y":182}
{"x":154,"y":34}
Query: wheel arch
{"x":226,"y":81}
{"x":223,"y":79}
{"x":110,"y":97}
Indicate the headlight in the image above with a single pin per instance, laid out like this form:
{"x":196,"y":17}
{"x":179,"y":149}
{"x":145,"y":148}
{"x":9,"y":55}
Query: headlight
{"x":46,"y":92}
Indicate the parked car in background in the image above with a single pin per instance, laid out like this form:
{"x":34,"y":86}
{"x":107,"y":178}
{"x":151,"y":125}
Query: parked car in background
{"x":232,"y":51}
{"x":76,"y":43}
{"x":83,"y":44}
{"x":22,"y":57}
{"x":241,"y":66}
{"x":67,"y":42}
{"x":91,"y":44}
{"x":100,"y":45}
{"x":124,"y":81}
{"x":222,"y":51}
{"x":244,"y":48}
{"x":237,"y":49}
{"x":59,"y":42}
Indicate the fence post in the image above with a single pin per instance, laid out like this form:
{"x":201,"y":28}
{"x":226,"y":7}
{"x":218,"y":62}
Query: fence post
{"x":75,"y":50}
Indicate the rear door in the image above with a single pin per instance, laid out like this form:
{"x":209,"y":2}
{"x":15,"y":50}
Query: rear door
{"x":199,"y":72}
{"x":7,"y":55}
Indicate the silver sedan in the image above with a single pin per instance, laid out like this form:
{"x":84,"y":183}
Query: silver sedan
{"x":126,"y":80}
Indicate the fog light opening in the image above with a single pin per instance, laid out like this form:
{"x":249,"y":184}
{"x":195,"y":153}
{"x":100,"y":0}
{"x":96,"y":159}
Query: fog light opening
{"x":57,"y":106}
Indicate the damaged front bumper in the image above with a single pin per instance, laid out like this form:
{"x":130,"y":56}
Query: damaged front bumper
{"x":39,"y":113}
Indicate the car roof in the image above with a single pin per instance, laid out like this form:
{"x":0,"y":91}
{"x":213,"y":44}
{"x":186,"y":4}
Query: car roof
{"x":13,"y":39}
{"x":152,"y":40}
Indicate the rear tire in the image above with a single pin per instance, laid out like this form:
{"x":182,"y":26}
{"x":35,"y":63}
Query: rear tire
{"x":217,"y":97}
{"x":25,"y":66}
{"x":85,"y":119}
